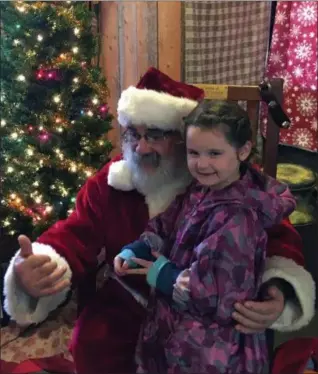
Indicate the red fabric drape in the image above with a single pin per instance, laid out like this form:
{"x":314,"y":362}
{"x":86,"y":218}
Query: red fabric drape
{"x":293,"y":57}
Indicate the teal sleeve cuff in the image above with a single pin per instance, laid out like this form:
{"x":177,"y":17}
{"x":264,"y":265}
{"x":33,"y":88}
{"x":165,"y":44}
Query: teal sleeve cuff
{"x":163,"y":275}
{"x":155,"y":269}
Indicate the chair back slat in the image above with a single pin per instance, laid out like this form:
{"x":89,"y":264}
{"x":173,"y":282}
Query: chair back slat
{"x":252,"y":108}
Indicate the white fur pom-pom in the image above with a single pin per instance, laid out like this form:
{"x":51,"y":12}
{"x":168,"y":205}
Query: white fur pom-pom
{"x":119,"y":176}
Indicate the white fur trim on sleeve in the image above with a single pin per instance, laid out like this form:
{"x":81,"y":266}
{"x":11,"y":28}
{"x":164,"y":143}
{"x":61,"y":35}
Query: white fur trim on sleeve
{"x":154,"y":109}
{"x":18,"y":303}
{"x":296,"y":314}
{"x":119,"y":176}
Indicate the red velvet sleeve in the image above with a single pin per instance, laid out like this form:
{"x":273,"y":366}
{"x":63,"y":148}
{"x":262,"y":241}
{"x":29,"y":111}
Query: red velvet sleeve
{"x":80,"y":237}
{"x":284,"y":241}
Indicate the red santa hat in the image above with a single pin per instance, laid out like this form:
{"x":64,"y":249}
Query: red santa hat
{"x":157,"y":102}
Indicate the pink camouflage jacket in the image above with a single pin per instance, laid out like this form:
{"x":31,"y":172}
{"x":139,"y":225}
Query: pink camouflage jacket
{"x":213,"y":246}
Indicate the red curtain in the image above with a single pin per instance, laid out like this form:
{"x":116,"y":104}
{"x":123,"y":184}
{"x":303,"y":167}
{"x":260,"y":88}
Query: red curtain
{"x":293,"y":57}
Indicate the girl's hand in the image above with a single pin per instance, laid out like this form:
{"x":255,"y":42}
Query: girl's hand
{"x":145,"y":265}
{"x":120,"y":266}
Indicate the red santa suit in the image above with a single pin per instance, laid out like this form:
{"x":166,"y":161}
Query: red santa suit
{"x":110,"y":213}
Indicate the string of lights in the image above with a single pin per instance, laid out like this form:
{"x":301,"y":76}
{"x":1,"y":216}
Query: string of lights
{"x":54,"y":112}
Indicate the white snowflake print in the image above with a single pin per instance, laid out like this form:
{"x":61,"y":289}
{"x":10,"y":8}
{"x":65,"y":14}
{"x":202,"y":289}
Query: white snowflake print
{"x":310,"y":76}
{"x":314,"y":124}
{"x":286,"y":76}
{"x":295,"y":31}
{"x":284,"y":139}
{"x":307,"y":14}
{"x":292,"y":122}
{"x":302,"y":138}
{"x":288,"y":100}
{"x":298,"y":72}
{"x":306,"y":103}
{"x":276,"y":58}
{"x":281,"y":17}
{"x":275,"y":38}
{"x":303,"y":51}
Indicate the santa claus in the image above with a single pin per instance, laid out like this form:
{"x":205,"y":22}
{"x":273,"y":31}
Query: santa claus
{"x":112,"y":209}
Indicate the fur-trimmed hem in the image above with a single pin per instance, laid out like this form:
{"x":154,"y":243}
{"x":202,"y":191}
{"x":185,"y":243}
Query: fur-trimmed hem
{"x":18,"y":303}
{"x":298,"y":313}
{"x":153,"y":109}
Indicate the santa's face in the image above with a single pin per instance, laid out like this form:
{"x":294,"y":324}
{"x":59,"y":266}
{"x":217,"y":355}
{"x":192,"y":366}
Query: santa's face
{"x":154,"y":156}
{"x":149,"y":146}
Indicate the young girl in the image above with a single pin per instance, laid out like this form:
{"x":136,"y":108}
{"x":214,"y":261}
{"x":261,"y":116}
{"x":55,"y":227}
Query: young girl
{"x":209,"y":252}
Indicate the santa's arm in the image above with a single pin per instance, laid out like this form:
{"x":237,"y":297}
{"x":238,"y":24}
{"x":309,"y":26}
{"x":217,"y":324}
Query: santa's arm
{"x":285,"y":261}
{"x":73,"y":243}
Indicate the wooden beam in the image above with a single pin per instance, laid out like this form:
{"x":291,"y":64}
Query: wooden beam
{"x":170,"y":38}
{"x":229,"y":92}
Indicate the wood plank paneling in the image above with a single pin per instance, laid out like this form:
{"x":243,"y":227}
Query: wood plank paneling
{"x":110,"y":62}
{"x":128,"y":43}
{"x":138,"y":39}
{"x":147,"y":36}
{"x":135,"y":36}
{"x":170,"y":38}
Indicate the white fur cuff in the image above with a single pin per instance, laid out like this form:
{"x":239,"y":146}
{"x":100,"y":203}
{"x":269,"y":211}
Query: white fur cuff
{"x":299,"y":314}
{"x":18,"y":304}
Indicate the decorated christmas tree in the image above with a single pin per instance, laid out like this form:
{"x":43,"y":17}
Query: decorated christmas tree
{"x":54,"y":113}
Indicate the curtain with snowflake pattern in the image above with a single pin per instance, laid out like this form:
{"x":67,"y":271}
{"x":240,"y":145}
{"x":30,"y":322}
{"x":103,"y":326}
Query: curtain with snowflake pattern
{"x":293,"y":57}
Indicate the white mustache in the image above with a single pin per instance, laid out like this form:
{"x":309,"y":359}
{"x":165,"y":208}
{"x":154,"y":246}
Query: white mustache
{"x":152,"y":159}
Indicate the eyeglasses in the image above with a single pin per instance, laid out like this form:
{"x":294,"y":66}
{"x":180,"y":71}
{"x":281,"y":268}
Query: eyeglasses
{"x":152,"y":136}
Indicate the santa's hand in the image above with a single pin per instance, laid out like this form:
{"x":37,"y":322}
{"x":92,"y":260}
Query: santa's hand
{"x":37,"y":274}
{"x":257,"y":316}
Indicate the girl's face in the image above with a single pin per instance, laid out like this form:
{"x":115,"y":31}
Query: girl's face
{"x":212,"y":160}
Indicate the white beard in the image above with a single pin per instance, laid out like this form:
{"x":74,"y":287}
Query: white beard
{"x":168,"y":172}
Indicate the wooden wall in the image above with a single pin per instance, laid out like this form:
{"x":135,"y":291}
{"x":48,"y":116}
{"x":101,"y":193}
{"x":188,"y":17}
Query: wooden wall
{"x":136,"y":35}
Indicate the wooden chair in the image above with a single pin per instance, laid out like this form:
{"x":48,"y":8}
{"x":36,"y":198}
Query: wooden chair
{"x":270,"y":92}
